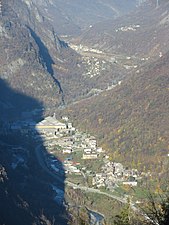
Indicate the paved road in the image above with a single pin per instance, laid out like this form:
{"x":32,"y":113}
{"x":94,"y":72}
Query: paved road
{"x":40,"y":157}
{"x":93,"y":190}
{"x":41,"y":160}
{"x":123,"y":200}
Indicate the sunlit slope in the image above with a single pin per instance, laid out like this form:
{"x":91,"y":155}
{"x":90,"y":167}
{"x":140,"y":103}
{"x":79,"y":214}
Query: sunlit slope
{"x":131,"y":121}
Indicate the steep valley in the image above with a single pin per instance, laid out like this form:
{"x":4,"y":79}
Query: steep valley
{"x":128,"y":116}
{"x":130,"y":120}
{"x":106,"y":73}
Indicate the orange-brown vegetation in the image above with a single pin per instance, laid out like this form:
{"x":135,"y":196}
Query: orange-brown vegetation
{"x":131,"y":121}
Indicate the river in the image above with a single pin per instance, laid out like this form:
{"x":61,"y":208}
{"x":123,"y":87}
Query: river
{"x":95,"y":218}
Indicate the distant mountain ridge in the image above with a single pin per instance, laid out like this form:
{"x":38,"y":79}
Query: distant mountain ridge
{"x":63,"y":66}
{"x":71,"y":17}
{"x":141,"y":33}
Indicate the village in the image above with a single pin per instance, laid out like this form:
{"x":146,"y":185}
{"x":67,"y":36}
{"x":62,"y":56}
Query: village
{"x":66,"y":150}
{"x":79,"y":153}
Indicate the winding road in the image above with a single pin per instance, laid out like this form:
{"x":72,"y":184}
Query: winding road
{"x":41,"y":159}
{"x":60,"y":179}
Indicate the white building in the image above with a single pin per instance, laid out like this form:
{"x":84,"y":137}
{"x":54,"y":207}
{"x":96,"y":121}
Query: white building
{"x":87,"y":150}
{"x":50,"y":124}
{"x":69,"y":125}
{"x":130,"y":183}
{"x":67,"y":151}
{"x":65,"y":118}
{"x":92,"y":155}
{"x":100,"y":150}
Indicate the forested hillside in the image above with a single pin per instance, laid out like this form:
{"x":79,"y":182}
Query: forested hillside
{"x":131,"y":121}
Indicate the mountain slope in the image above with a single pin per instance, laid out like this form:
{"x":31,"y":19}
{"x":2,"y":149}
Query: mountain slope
{"x":26,"y":192}
{"x":71,"y":18}
{"x":35,"y":59}
{"x":131,"y":121}
{"x":49,"y":58}
{"x":140,"y":34}
{"x":22,"y":63}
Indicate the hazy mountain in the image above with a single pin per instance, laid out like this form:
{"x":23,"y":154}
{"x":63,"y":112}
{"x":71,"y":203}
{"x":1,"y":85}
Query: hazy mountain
{"x":142,"y":33}
{"x":70,"y":17}
{"x":115,"y":48}
{"x":63,"y":66}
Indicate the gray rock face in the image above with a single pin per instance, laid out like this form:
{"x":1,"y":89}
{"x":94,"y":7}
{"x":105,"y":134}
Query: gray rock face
{"x":26,"y":63}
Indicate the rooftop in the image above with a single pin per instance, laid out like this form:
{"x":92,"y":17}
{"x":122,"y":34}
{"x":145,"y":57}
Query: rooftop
{"x":50,"y":121}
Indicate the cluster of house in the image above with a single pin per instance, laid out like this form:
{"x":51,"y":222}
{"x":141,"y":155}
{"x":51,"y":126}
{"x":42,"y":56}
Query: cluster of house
{"x":56,"y":133}
{"x":128,"y":28}
{"x":94,"y":64}
{"x":114,"y":173}
{"x":90,"y":148}
{"x":71,"y":167}
{"x":62,"y":136}
{"x":80,"y":48}
{"x":68,"y":139}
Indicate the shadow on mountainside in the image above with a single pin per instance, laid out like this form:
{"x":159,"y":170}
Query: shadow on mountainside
{"x":29,"y":193}
{"x":46,"y":58}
